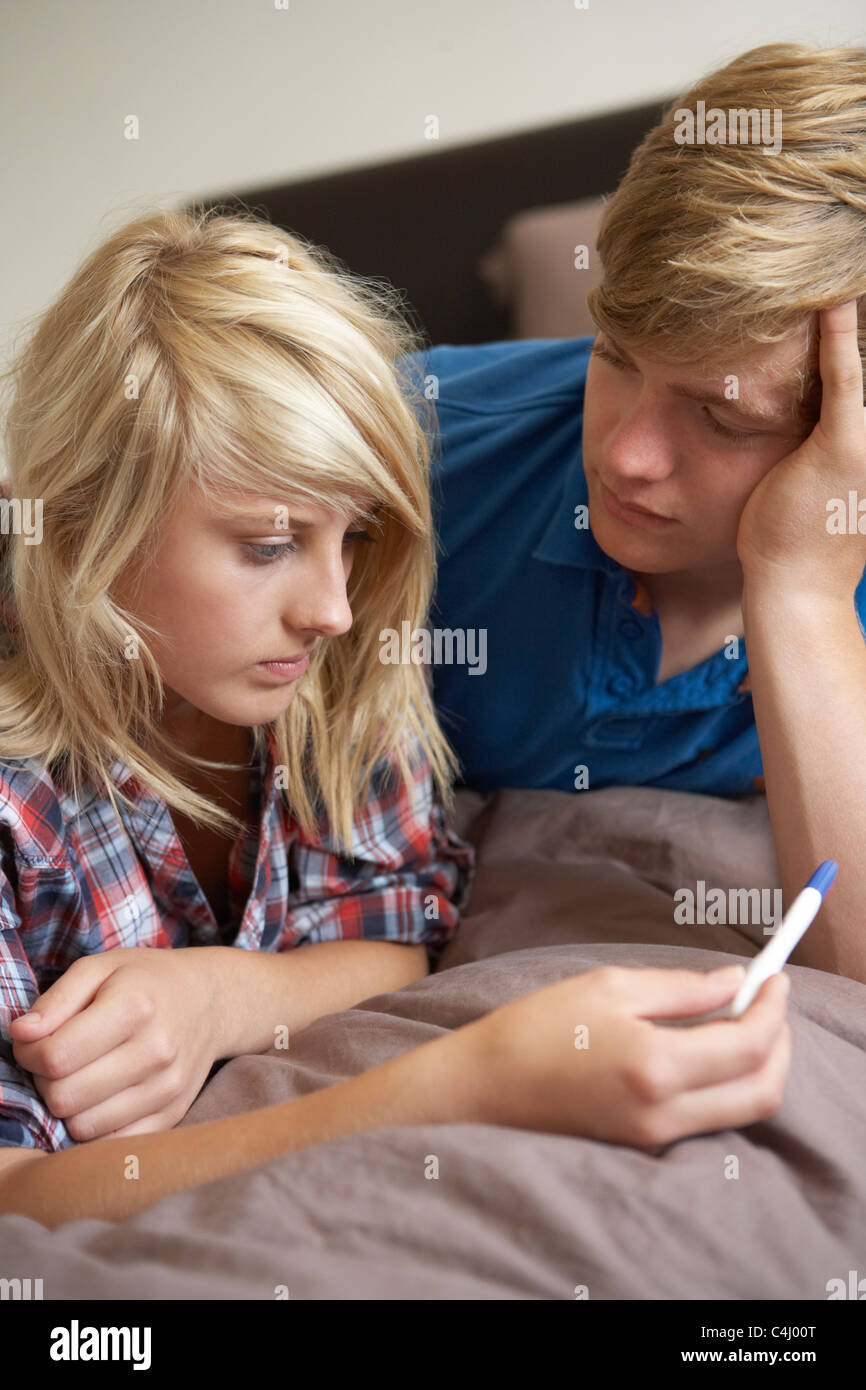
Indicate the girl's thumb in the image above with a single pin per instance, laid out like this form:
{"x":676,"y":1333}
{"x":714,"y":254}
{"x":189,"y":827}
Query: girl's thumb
{"x":727,"y":972}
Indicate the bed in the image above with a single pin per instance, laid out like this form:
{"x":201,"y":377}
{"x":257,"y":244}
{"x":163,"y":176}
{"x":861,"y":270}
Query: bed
{"x":564,"y":884}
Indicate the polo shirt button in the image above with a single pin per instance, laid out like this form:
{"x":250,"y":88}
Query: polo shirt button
{"x":629,"y":628}
{"x":620,"y":685}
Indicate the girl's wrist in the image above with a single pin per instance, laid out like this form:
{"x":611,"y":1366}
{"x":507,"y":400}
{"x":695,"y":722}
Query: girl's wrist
{"x":444,"y":1081}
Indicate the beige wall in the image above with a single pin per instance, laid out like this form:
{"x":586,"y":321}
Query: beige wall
{"x":234,"y":93}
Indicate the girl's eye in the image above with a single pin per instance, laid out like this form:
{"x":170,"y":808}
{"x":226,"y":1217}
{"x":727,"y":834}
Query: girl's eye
{"x":265,"y":554}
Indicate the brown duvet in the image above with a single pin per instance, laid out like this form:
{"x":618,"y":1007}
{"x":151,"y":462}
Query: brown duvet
{"x":564,"y":884}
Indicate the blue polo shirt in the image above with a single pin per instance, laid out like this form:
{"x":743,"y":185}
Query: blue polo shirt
{"x":568,"y":698}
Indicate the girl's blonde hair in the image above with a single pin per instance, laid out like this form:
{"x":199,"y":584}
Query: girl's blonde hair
{"x":712,"y":249}
{"x":210,"y":348}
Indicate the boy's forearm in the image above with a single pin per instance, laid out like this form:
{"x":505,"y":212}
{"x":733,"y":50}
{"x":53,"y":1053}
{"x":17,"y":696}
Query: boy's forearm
{"x":441,"y":1082}
{"x":812,"y":734}
{"x":261,"y":997}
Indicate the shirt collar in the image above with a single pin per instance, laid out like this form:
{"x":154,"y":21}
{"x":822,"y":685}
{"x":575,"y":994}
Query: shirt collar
{"x":120,"y":773}
{"x":563,"y":542}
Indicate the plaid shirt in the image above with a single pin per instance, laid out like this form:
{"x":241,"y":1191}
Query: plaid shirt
{"x":73,"y":883}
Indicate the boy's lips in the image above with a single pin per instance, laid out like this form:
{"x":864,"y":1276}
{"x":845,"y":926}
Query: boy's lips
{"x":638,"y":520}
{"x":634,"y":507}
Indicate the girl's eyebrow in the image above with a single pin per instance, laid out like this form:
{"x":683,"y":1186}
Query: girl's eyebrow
{"x":267,"y":519}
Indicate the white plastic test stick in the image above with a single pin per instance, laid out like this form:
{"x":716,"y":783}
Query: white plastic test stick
{"x":800,"y":915}
{"x":769,"y":961}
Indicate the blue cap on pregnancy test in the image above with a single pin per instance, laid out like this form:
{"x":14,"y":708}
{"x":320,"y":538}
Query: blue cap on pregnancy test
{"x":823,"y":876}
{"x":769,"y":961}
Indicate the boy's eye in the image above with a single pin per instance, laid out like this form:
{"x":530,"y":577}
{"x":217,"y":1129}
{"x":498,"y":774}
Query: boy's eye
{"x":265,"y":554}
{"x":606,"y":355}
{"x":715,"y":425}
{"x":725,"y":430}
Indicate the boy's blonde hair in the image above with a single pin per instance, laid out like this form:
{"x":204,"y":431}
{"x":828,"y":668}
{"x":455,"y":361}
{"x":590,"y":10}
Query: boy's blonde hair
{"x":212,"y":349}
{"x":712,"y":249}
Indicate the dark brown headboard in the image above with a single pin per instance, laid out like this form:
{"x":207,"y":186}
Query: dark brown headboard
{"x":423,"y":223}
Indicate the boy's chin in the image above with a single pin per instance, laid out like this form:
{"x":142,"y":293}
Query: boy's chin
{"x":641,"y":551}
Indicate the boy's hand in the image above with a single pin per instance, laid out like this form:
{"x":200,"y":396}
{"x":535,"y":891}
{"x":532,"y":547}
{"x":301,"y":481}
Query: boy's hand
{"x":783,"y":535}
{"x":124,"y":1043}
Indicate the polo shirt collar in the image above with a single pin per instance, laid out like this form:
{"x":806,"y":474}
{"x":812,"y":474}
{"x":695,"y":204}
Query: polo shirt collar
{"x":563,"y":543}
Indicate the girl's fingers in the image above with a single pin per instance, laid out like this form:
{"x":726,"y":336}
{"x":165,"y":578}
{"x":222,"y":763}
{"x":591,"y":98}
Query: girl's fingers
{"x":98,"y":1083}
{"x":101,"y":1027}
{"x":148,"y":1124}
{"x":678,"y":993}
{"x":710,"y":1054}
{"x":732,"y":1104}
{"x":65,"y":998}
{"x":141,"y":1109}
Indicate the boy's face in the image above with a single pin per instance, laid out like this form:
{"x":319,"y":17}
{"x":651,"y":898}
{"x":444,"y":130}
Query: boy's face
{"x":651,"y":445}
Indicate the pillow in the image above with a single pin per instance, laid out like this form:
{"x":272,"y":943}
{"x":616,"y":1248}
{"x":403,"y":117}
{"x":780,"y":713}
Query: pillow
{"x":556,"y":868}
{"x":531,"y":269}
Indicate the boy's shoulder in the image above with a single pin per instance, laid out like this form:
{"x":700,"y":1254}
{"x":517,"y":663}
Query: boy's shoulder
{"x":508,"y":375}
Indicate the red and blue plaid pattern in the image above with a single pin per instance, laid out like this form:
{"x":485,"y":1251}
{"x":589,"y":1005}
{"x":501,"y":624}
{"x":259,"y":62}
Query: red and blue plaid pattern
{"x":75,"y":880}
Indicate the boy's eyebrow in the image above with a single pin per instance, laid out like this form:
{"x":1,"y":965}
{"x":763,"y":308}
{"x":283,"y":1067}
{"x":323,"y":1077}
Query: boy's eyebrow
{"x":791,"y":410}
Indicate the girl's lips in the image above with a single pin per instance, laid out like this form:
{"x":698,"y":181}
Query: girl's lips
{"x":285,"y":670}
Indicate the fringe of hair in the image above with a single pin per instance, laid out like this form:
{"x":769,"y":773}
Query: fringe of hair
{"x":711,"y":249}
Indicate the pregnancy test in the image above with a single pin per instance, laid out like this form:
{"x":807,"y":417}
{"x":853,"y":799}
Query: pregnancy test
{"x":799,"y":917}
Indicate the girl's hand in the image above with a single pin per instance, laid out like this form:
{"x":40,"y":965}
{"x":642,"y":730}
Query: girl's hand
{"x":783,"y":534}
{"x":580,"y":1057}
{"x":124,"y":1043}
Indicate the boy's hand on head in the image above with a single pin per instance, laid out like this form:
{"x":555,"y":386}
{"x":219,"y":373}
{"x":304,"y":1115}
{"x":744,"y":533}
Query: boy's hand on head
{"x":783,"y":535}
{"x":123,"y":1043}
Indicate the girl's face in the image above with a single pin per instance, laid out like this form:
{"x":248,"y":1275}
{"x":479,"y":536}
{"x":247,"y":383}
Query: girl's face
{"x":229,"y":594}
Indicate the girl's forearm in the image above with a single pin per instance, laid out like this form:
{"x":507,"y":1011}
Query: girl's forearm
{"x":258,"y":994}
{"x":441,"y":1082}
